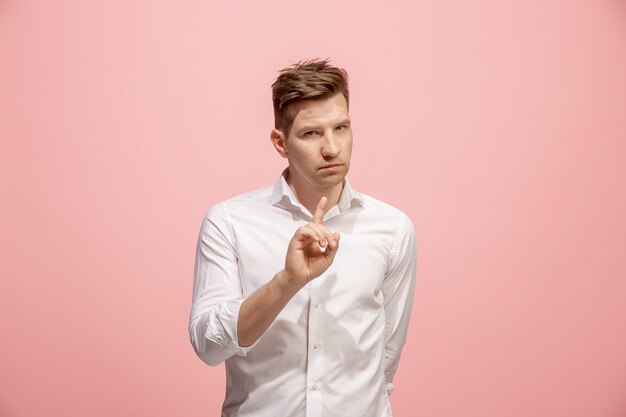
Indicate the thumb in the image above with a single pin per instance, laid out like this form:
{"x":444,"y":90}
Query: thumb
{"x":331,"y":251}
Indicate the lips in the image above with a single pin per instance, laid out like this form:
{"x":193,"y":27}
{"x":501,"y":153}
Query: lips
{"x":330,"y":166}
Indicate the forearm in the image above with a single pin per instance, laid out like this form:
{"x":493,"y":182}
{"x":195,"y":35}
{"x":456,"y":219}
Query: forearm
{"x":260,"y":309}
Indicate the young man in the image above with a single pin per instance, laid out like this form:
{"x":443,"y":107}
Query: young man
{"x":305,"y":287}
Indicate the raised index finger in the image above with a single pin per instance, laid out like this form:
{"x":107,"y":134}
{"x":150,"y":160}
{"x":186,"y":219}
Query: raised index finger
{"x":320,"y":210}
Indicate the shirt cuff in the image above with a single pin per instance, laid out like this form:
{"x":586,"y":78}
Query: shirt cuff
{"x":222,"y":328}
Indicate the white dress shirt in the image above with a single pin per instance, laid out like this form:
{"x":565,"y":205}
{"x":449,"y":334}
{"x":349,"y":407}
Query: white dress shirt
{"x":334,"y":349}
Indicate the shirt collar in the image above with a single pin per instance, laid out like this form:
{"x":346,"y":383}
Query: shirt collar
{"x":283,"y":196}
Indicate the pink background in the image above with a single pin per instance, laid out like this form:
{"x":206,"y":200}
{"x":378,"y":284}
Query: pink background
{"x":498,"y":126}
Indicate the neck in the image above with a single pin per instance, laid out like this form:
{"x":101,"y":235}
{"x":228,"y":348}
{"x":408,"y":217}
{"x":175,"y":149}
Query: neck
{"x":309,"y":196}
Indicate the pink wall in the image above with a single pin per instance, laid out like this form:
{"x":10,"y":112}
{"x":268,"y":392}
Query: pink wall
{"x":498,"y":126}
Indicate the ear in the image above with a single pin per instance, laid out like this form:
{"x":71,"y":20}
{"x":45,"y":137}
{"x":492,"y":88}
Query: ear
{"x":278,"y":140}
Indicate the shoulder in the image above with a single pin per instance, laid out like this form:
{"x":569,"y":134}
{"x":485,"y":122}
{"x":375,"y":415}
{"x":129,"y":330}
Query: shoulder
{"x":402,"y":245}
{"x":395,"y":225}
{"x":219,"y":214}
{"x":395,"y":217}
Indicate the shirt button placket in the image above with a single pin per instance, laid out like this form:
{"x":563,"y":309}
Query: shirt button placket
{"x":315,"y":357}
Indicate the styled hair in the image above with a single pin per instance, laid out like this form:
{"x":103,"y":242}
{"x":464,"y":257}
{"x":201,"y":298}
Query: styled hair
{"x":306,"y":80}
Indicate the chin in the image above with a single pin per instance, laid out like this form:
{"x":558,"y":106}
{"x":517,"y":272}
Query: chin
{"x":332,"y":180}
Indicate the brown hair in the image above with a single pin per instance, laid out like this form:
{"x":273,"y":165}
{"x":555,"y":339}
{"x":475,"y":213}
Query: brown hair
{"x":306,"y":80}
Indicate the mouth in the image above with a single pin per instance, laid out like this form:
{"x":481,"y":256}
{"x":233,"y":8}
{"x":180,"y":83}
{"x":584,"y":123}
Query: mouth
{"x":331,"y":166}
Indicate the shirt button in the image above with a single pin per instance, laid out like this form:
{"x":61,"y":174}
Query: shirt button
{"x":317,"y":305}
{"x":316,"y":345}
{"x":314,"y":387}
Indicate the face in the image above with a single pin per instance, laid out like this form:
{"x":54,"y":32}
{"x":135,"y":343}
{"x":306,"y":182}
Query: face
{"x":319,"y":144}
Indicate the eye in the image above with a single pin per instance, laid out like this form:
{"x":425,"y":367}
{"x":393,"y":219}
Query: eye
{"x":309,"y":133}
{"x":341,"y":127}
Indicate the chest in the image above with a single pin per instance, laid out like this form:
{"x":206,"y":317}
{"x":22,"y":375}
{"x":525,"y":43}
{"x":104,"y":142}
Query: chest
{"x":356,"y":274}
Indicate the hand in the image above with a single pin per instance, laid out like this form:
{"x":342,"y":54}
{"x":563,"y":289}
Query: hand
{"x":311,"y":250}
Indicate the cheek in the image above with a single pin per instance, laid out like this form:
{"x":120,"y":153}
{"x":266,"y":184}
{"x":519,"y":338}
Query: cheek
{"x":302,"y":156}
{"x":348,"y":147}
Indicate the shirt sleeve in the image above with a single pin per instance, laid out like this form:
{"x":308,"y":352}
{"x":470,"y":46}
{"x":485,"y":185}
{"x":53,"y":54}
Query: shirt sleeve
{"x":217,"y":292}
{"x":398,"y":289}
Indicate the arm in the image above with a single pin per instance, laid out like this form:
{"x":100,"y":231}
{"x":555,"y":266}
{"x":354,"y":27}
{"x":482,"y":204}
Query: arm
{"x":222,"y":323}
{"x":398,"y":289}
{"x":305,"y":261}
{"x":217,"y":293}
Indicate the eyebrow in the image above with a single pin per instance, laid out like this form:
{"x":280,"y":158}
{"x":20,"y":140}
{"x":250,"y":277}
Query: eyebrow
{"x":315,"y":127}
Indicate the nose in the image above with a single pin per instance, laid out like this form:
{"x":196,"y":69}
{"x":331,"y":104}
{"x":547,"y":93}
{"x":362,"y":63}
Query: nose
{"x":330,"y":146}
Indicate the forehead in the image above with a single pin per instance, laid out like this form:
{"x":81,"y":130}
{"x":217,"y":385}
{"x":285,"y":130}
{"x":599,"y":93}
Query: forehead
{"x":331,"y":109}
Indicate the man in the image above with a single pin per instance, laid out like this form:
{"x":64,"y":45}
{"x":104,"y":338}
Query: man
{"x":305,"y":287}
